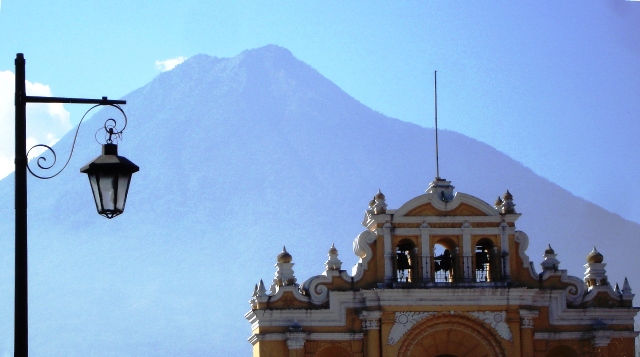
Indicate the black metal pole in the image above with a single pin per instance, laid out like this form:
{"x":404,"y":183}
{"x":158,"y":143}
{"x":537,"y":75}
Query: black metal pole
{"x":21,"y":315}
{"x":21,"y":312}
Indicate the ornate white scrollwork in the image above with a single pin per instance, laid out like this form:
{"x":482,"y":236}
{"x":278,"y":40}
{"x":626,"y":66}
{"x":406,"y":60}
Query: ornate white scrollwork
{"x":523,"y":240}
{"x":404,"y":321}
{"x":361,"y":244}
{"x":575,"y":292}
{"x":361,"y":248}
{"x":497,"y":320}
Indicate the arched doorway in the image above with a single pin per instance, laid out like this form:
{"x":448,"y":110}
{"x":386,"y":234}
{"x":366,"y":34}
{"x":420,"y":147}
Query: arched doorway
{"x":446,"y":335}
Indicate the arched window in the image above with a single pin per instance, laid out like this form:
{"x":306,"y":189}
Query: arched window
{"x":444,"y":258}
{"x":484,"y":266}
{"x":405,"y":261}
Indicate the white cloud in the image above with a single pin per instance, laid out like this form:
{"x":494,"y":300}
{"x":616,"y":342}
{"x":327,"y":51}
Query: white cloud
{"x":169,"y":64}
{"x":46,"y":123}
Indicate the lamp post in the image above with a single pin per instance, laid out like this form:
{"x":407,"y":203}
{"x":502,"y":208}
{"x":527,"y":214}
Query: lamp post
{"x":109,"y":174}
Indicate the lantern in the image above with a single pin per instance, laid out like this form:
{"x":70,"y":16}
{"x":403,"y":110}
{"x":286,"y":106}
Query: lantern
{"x":109,"y":176}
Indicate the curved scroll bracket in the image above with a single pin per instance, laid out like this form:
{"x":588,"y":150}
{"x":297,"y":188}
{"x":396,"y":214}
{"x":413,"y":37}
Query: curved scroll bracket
{"x":111,"y":131}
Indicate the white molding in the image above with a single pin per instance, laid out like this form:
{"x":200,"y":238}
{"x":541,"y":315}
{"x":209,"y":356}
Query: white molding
{"x":335,"y":336}
{"x":484,"y":231}
{"x":313,"y":336}
{"x":594,"y":290}
{"x":453,"y":299}
{"x":581,"y":335}
{"x":458,"y":198}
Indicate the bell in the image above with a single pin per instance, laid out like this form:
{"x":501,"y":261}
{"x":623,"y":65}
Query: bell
{"x":403,"y":261}
{"x":481,"y":259}
{"x":444,"y":260}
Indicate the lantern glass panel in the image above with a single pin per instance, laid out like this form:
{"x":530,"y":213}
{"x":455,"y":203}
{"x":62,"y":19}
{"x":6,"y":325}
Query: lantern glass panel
{"x":94,"y":189}
{"x":122,"y":188}
{"x":108,"y":187}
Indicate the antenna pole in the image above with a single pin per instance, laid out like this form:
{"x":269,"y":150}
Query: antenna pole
{"x":435,"y":86}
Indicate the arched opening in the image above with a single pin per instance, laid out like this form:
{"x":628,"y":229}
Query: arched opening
{"x":562,"y":351}
{"x":405,"y":261}
{"x":444,"y":258}
{"x":447,"y":335}
{"x":484,"y":267}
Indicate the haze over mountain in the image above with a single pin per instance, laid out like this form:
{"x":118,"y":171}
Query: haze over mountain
{"x":238,"y":157}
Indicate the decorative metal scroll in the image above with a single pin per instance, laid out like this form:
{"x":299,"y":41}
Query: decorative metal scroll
{"x":110,"y":128}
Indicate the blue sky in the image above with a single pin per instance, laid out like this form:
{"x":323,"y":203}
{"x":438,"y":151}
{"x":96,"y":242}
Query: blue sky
{"x":554,"y":84}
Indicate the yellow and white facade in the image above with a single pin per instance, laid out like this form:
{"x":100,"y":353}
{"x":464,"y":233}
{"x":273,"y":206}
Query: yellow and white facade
{"x":444,"y":275}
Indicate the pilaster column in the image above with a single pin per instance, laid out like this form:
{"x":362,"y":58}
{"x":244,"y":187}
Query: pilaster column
{"x":526,"y":332}
{"x":388,"y":254}
{"x":425,"y":254}
{"x":600,"y":341}
{"x":295,"y":343}
{"x":504,"y":247}
{"x":468,"y":268}
{"x":513,"y":320}
{"x":371,"y":327}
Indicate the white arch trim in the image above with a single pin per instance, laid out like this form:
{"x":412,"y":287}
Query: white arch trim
{"x":441,"y":205}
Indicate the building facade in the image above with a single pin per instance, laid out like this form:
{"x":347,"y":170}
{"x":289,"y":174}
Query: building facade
{"x":444,"y":275}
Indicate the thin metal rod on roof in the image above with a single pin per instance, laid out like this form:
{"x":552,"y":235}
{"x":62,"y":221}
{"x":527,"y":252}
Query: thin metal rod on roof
{"x":435,"y":86}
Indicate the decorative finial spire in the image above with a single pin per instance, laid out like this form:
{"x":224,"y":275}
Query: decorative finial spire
{"x":596,"y":274}
{"x":626,"y":288}
{"x":508,"y":207}
{"x":284,"y":257}
{"x":284,"y":272}
{"x":333,"y":263}
{"x":550,"y":261}
{"x":549,"y":250}
{"x":380,"y":205}
{"x":595,"y":256}
{"x":262,"y":291}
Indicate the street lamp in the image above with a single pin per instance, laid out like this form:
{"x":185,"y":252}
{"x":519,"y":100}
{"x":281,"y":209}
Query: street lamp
{"x":109,"y":175}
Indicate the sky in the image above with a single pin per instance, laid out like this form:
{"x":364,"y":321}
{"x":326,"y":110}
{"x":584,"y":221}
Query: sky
{"x":553,"y":84}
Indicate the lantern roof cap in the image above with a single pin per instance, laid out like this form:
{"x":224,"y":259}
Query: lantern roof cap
{"x":109,"y":160}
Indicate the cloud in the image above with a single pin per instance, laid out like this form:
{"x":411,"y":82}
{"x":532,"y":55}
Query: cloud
{"x":169,"y":64}
{"x":46,"y":123}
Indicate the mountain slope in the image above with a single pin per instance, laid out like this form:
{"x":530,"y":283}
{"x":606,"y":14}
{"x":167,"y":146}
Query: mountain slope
{"x":239,"y":156}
